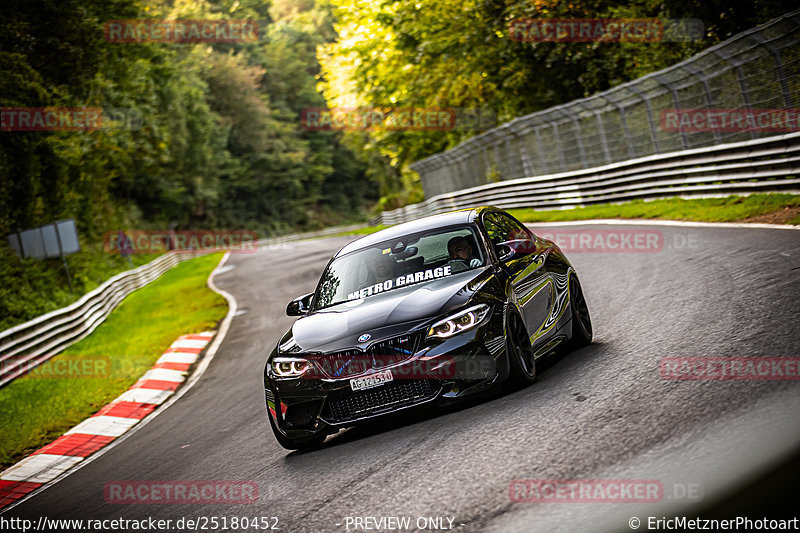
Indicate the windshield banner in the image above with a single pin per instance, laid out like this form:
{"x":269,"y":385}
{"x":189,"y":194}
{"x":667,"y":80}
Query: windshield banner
{"x":407,"y":279}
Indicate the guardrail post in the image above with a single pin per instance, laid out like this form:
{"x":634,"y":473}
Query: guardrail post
{"x":498,"y":162}
{"x":578,"y":137}
{"x":539,"y":149}
{"x":737,"y":67}
{"x":674,"y":93}
{"x":487,"y":166}
{"x":624,"y":122}
{"x":776,"y":52}
{"x":603,"y":141}
{"x":649,"y":110}
{"x":559,"y":147}
{"x":707,"y":91}
{"x":522,"y":149}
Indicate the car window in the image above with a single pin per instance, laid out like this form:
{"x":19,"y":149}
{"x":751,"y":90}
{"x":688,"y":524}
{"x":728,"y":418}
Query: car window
{"x":398,"y":263}
{"x":434,"y":247}
{"x":501,"y":228}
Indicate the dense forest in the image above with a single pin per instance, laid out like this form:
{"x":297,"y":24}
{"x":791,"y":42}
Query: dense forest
{"x":208,"y":134}
{"x":215,"y":142}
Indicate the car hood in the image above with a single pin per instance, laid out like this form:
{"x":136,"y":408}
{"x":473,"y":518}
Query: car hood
{"x":383,"y":315}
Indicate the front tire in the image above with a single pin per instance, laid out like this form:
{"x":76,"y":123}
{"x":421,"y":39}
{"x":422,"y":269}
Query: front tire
{"x":520,"y":353}
{"x":295,"y":444}
{"x":581,"y":321}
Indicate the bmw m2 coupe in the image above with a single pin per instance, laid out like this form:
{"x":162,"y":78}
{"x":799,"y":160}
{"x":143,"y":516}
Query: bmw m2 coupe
{"x":427,"y":311}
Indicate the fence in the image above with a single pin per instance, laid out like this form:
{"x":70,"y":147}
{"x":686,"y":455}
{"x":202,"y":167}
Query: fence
{"x":762,"y":165}
{"x":758,"y":69}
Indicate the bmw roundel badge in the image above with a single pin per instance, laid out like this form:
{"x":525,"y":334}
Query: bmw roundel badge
{"x":365,"y":337}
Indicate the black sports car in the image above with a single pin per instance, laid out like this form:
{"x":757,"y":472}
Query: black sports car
{"x":434,"y":309}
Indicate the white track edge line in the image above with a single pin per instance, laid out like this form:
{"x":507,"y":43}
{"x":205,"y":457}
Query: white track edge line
{"x":647,"y":222}
{"x":232,"y":306}
{"x":196,"y":375}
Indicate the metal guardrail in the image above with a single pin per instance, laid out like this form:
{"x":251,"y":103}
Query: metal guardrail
{"x":756,"y":70}
{"x":770,"y":164}
{"x":27,"y":345}
{"x":24,"y":346}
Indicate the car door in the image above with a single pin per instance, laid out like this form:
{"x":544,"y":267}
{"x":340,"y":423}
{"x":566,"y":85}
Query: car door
{"x":531,"y":285}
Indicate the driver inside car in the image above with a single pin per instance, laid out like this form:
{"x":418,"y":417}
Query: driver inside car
{"x":383,"y":268}
{"x":461,"y":254}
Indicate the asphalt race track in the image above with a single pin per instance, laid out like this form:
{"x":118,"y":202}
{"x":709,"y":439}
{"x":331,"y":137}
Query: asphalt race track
{"x":603,"y":412}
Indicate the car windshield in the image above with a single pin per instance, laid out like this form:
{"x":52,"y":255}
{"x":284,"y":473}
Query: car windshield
{"x":397,"y":263}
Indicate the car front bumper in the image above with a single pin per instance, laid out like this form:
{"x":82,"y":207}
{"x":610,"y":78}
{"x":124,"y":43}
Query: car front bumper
{"x":445,"y":370}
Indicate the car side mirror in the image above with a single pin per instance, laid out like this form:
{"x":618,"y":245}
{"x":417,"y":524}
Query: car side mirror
{"x":508,"y":250}
{"x":504,"y":252}
{"x":299,"y":306}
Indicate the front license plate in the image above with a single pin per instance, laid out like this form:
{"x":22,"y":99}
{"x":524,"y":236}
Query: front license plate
{"x":374,"y":380}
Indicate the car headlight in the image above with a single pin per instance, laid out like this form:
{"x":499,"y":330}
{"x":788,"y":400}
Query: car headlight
{"x":462,"y":321}
{"x":289,"y":367}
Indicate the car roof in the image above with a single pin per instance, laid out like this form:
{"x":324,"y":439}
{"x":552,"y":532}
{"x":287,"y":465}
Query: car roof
{"x":453,"y":218}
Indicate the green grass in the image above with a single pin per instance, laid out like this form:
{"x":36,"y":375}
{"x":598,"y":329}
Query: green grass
{"x":726,"y":209}
{"x":363,"y":231}
{"x":36,"y":410}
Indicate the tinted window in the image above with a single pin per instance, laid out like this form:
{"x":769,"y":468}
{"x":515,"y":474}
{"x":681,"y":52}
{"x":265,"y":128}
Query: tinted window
{"x":403,"y":261}
{"x":501,"y":228}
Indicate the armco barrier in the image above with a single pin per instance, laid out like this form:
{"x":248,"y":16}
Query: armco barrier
{"x":24,"y":346}
{"x":770,"y":164}
{"x":758,"y":69}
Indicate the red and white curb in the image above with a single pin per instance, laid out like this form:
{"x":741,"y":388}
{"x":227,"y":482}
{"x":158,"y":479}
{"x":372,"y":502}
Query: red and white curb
{"x":112,"y":421}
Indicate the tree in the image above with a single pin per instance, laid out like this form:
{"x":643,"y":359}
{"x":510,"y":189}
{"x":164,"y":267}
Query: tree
{"x":458,"y":53}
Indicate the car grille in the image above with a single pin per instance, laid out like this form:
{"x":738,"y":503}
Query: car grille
{"x":392,"y":395}
{"x":350,"y":363}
